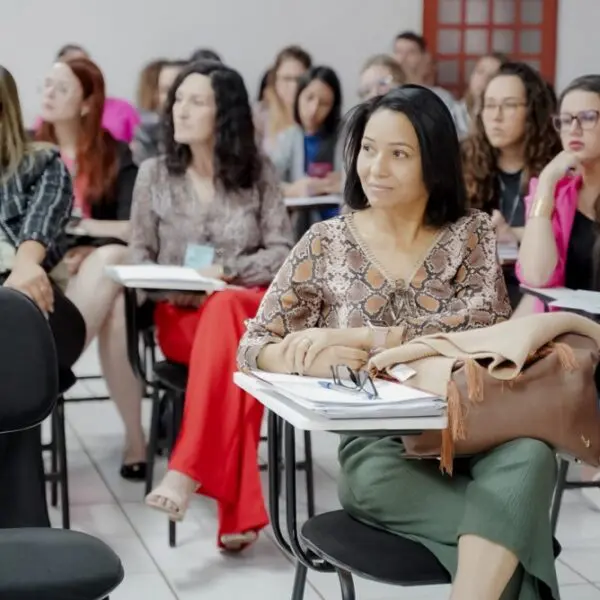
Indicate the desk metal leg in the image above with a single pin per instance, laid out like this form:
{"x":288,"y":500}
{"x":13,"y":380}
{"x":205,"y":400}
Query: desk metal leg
{"x":290,"y":542}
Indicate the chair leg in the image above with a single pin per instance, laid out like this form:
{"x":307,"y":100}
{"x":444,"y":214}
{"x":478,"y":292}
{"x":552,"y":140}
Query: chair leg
{"x":61,"y":447}
{"x":299,"y":581}
{"x":346,"y":585}
{"x":54,"y":457}
{"x":308,"y":467}
{"x":176,"y":416}
{"x":153,"y":439}
{"x":561,"y":480}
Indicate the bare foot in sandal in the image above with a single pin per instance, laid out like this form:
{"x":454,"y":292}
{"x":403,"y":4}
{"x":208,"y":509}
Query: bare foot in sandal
{"x":172,"y":496}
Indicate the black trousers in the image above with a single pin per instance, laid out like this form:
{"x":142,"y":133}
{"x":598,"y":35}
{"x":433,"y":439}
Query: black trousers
{"x":22,"y":482}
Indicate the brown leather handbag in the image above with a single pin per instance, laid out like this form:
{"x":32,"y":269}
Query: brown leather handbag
{"x":554,"y":399}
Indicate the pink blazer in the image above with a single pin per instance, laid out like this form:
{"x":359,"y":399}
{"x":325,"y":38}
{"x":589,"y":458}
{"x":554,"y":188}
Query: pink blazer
{"x":565,"y":206}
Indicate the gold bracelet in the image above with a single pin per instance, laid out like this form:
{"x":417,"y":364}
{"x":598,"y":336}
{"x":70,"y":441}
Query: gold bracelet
{"x":541,"y":208}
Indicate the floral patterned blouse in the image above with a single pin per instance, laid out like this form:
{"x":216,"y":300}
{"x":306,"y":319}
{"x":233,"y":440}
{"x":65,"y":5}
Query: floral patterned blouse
{"x":332,"y":280}
{"x":249,"y":230}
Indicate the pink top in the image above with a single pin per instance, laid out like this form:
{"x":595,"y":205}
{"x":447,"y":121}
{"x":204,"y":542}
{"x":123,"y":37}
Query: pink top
{"x":119,"y":118}
{"x":565,"y":207}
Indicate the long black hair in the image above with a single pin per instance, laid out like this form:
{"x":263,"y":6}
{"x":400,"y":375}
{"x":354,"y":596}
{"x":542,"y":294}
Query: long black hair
{"x":237,"y":163}
{"x":438,"y":143}
{"x":329,"y":77}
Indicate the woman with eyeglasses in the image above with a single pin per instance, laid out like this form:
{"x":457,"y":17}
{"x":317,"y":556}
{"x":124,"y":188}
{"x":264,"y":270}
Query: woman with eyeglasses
{"x":380,"y":74}
{"x":466,"y":110}
{"x":560,"y":245}
{"x":513,"y":139}
{"x":274,"y":112}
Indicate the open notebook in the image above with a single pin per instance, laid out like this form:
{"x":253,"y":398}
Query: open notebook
{"x":313,"y":201}
{"x":163,"y":277}
{"x":394,"y":400}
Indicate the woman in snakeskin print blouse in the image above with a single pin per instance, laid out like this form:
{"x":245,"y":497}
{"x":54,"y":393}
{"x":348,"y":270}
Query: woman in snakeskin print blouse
{"x":410,"y":260}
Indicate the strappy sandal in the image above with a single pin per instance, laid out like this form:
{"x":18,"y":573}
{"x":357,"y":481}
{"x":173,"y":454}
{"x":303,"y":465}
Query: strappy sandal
{"x":155,"y":499}
{"x":236,"y":542}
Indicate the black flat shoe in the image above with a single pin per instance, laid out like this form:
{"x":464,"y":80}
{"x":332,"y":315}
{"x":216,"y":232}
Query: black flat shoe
{"x":134,"y":472}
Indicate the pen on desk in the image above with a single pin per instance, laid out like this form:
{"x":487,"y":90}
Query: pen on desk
{"x":330,"y":385}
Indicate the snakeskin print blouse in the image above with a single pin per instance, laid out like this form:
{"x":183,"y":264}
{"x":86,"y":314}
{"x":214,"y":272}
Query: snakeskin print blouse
{"x":250,"y":230}
{"x":332,"y":280}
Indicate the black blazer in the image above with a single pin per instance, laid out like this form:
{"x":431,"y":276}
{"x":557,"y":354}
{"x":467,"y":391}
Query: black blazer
{"x":118,"y":206}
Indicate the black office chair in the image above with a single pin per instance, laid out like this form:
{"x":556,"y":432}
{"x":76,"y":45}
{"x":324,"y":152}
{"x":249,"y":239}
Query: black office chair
{"x":41,"y":563}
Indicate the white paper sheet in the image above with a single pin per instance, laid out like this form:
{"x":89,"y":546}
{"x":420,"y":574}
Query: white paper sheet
{"x":163,"y":277}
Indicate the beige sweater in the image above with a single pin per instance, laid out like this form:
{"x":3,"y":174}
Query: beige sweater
{"x":507,"y":345}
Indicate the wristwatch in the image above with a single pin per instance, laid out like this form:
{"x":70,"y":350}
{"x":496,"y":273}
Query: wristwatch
{"x":379,"y":337}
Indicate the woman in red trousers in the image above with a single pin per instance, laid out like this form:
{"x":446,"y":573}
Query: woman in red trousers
{"x":214,"y":204}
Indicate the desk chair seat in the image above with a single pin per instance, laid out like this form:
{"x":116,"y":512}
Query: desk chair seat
{"x":353,"y":547}
{"x":53,"y":564}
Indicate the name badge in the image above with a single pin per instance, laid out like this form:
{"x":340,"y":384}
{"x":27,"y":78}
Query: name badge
{"x":199,"y":257}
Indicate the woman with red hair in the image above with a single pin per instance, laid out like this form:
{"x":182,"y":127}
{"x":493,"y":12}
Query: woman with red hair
{"x":103,"y":175}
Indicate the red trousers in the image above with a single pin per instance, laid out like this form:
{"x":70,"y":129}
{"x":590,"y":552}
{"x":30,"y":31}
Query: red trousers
{"x":220,"y":433}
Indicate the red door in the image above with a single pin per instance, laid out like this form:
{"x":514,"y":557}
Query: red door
{"x":459,"y":31}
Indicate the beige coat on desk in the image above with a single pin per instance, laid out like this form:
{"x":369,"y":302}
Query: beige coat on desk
{"x":525,"y":388}
{"x":506,"y":345}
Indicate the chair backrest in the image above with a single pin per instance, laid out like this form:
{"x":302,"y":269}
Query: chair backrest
{"x":28,"y":363}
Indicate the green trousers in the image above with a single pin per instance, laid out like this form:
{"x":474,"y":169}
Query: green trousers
{"x":503,"y":495}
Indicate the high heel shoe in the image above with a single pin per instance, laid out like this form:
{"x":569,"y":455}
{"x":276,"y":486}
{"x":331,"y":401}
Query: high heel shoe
{"x":134,"y":472}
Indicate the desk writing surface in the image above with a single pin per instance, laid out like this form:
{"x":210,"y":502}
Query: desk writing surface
{"x":311,"y":201}
{"x":307,"y":420}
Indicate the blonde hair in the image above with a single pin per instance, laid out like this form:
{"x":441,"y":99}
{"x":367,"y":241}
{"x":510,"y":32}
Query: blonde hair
{"x":386,"y":61}
{"x":14,"y":143}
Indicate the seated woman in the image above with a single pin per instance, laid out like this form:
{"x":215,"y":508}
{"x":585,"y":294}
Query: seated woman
{"x":119,"y":117}
{"x":380,"y":74}
{"x":307,"y":157}
{"x":35,"y":203}
{"x":560,"y":243}
{"x":412,"y":260}
{"x":513,"y":139}
{"x":469,"y":107}
{"x":274,"y":111}
{"x":148,"y":139}
{"x":212,"y":203}
{"x":104,"y":175}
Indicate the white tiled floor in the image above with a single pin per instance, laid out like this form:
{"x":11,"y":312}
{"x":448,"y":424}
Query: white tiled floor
{"x":112,"y":509}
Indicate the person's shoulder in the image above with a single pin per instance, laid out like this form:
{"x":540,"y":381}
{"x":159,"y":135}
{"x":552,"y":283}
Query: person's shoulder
{"x":474,"y":221}
{"x":154,"y":168}
{"x":39,"y":157}
{"x":329,"y":230}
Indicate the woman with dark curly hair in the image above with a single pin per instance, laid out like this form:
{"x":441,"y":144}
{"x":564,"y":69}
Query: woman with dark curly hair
{"x":212,"y":203}
{"x":513,"y":140}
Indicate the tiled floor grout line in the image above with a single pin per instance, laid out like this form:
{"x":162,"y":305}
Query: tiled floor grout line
{"x":140,"y":538}
{"x":118,"y":503}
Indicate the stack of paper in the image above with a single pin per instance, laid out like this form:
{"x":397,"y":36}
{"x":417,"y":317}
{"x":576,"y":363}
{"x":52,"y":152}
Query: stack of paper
{"x":394,"y":400}
{"x":163,"y":277}
{"x":313,"y":201}
{"x":508,"y":253}
{"x":576,"y":300}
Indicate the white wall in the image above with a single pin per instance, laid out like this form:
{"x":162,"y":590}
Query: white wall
{"x":122,"y":35}
{"x":578,"y":44}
